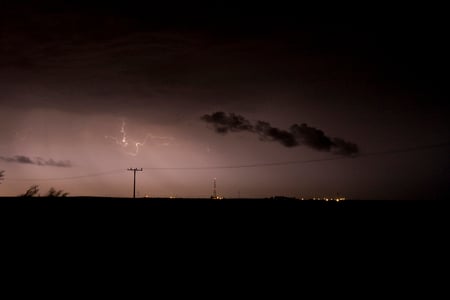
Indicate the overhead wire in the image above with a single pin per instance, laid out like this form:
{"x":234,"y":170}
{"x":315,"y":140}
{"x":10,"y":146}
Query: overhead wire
{"x":242,"y":166}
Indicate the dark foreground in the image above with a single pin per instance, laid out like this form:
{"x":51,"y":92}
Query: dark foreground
{"x":206,"y":227}
{"x":220,"y":211}
{"x":278,"y":203}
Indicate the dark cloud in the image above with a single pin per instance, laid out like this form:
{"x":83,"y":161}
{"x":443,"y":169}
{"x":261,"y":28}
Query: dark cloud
{"x":296,"y":136}
{"x":20,"y":159}
{"x":89,"y":61}
{"x":268,"y":133}
{"x":53,"y":163}
{"x":224,"y":123}
{"x":311,"y":137}
{"x":37,"y":161}
{"x":344,"y":148}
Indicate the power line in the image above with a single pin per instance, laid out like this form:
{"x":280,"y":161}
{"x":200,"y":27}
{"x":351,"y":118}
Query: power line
{"x":404,"y":150}
{"x":257,"y":165}
{"x":293,"y":162}
{"x":242,"y":166}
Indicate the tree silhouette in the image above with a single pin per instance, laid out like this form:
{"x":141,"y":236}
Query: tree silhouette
{"x":52,"y":192}
{"x":31,"y":192}
{"x":2,"y":176}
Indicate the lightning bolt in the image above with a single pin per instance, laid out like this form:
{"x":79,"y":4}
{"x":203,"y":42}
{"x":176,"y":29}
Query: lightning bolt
{"x":124,"y":134}
{"x":124,"y":142}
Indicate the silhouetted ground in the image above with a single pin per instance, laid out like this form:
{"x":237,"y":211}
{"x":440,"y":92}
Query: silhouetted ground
{"x":192,"y":230}
{"x":221,"y":211}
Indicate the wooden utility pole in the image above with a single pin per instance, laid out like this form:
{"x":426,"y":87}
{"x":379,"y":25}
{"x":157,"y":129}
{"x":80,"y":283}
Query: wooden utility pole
{"x":134,"y":179}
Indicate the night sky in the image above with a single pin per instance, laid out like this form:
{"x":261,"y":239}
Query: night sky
{"x":270,"y":100}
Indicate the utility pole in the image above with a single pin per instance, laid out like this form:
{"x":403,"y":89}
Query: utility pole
{"x":134,"y":179}
{"x":214,"y":196}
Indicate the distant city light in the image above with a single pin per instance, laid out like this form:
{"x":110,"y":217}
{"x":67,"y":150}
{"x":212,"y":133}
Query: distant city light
{"x":337,"y":199}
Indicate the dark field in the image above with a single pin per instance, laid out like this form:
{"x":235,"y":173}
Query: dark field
{"x":225,"y":210}
{"x":204,"y":227}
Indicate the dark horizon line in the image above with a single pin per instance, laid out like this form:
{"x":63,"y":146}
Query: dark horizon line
{"x":225,"y":199}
